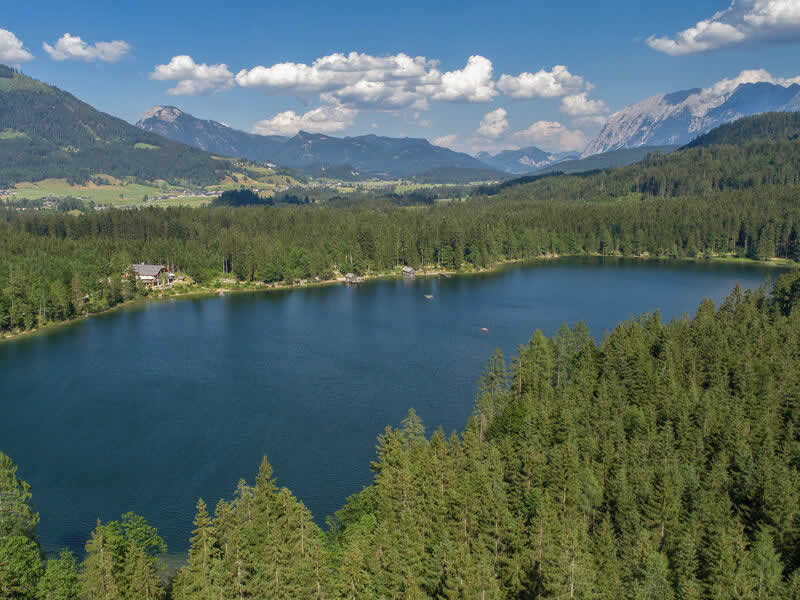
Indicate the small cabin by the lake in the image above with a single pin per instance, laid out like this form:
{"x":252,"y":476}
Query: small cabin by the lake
{"x":152,"y":274}
{"x":409,"y":272}
{"x":352,"y":278}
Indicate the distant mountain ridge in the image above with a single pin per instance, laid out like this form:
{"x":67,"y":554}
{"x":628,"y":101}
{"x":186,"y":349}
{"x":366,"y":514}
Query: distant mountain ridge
{"x":211,"y":136}
{"x":614,"y":159}
{"x":369,"y":155}
{"x":524,"y":160}
{"x":679,"y":117}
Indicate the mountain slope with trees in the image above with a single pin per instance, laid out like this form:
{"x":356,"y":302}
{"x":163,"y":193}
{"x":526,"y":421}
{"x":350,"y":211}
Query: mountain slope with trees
{"x":48,"y":133}
{"x":769,"y":126}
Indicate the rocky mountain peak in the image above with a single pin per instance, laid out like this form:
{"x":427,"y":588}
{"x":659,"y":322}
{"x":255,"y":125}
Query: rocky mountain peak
{"x":169,"y":114}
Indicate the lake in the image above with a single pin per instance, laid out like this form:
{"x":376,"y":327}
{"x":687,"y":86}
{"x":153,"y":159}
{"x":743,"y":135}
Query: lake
{"x":148,"y":408}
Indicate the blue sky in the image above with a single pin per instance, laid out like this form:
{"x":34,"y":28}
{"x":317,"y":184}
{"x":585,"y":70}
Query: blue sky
{"x":399,"y":69}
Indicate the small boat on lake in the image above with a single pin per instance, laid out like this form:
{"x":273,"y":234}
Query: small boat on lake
{"x":429,"y":296}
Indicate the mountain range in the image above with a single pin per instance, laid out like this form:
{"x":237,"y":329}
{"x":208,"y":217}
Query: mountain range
{"x":524,"y":160}
{"x":660,"y":123}
{"x":46,"y":132}
{"x":368,"y":155}
{"x":679,"y":117}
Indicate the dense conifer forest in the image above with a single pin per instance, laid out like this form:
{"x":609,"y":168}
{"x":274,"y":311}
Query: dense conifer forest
{"x":700,"y":202}
{"x":662,"y":462}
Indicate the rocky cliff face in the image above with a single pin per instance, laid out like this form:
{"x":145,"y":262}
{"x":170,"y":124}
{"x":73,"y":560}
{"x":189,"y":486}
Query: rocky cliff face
{"x":677,"y":118}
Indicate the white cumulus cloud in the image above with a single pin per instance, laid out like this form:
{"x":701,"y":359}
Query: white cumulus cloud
{"x":494,"y":124}
{"x":11,"y":50}
{"x":356,"y":79}
{"x":726,"y":86}
{"x":192,"y":78}
{"x":375,"y":82}
{"x":324,"y":119}
{"x":72,"y":47}
{"x":542,"y":84}
{"x":551,"y":136}
{"x":579,"y":105}
{"x":473,"y":83}
{"x":743,"y":21}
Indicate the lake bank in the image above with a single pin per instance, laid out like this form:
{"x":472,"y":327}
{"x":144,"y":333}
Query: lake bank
{"x":254,"y":286}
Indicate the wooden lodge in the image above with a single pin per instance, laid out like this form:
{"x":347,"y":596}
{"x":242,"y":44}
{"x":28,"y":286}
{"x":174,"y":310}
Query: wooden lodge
{"x":152,"y":275}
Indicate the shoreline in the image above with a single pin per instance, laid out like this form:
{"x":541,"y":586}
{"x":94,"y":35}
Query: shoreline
{"x":252,"y":287}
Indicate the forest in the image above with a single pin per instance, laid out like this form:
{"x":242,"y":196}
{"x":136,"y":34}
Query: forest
{"x":663,"y":462}
{"x":55,"y":266}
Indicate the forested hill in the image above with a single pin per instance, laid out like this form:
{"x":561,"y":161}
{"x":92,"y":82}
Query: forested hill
{"x":769,"y":126}
{"x":661,"y":464}
{"x":751,"y":153}
{"x":46,"y":132}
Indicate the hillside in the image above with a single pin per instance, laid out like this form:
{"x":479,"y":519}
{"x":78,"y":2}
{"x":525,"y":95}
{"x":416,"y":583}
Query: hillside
{"x":679,"y":117}
{"x":46,"y":132}
{"x":524,"y":160}
{"x":459,"y":175}
{"x":173,"y":123}
{"x":770,"y":126}
{"x":755,"y":161}
{"x":369,"y":155}
{"x":607,"y":160}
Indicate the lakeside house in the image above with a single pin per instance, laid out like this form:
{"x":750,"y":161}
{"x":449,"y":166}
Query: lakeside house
{"x":352,"y":278}
{"x":409,"y":272}
{"x":152,"y":274}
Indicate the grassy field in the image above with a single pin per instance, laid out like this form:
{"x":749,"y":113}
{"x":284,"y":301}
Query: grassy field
{"x":122,"y":194}
{"x":193,"y":201}
{"x":117,"y":194}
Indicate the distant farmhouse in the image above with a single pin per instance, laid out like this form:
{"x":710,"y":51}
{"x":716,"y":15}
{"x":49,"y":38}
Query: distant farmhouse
{"x":152,"y":274}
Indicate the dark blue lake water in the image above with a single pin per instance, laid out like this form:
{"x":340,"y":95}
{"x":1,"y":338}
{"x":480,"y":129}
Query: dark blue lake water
{"x":148,"y":408}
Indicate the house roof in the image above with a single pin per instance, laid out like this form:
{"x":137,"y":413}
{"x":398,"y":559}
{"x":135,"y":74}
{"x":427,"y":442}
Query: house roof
{"x":147,"y":270}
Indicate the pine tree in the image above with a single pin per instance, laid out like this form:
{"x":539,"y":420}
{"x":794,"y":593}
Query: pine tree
{"x":20,"y":568}
{"x":61,"y":579}
{"x":102,"y":565}
{"x":140,"y":576}
{"x":16,"y":515}
{"x":197,"y":580}
{"x":766,"y":565}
